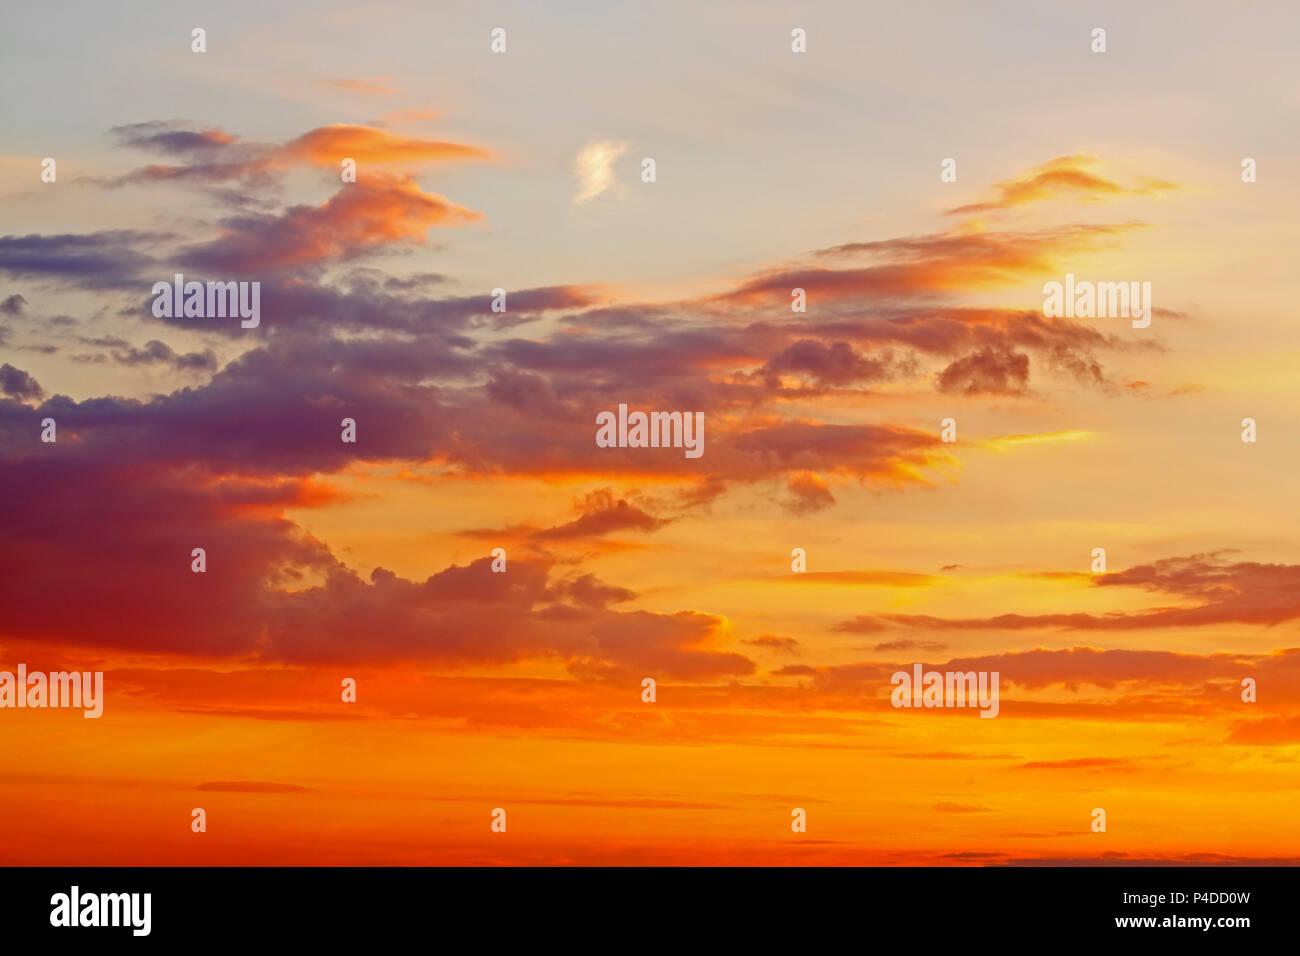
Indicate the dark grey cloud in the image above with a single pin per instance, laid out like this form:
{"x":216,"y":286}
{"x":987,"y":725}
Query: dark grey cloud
{"x":19,"y":384}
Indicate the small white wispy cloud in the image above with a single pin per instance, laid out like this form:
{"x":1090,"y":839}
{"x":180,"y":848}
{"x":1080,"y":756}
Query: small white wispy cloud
{"x":594,"y":167}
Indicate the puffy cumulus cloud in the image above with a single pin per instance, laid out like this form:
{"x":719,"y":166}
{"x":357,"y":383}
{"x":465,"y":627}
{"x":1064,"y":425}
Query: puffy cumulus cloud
{"x":376,"y":212}
{"x":987,"y":372}
{"x":216,"y":467}
{"x":433,"y":379}
{"x":899,"y":294}
{"x":19,"y":384}
{"x":834,"y":364}
{"x":526,"y":406}
{"x":129,"y":584}
{"x":952,"y":330}
{"x":273,"y":592}
{"x":890,"y":321}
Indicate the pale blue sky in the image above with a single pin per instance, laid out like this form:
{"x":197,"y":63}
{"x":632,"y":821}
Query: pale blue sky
{"x":763,"y":154}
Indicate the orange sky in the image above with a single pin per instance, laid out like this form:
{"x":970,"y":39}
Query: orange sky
{"x":522,"y":690}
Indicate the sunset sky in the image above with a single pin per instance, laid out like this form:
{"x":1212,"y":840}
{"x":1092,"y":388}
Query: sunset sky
{"x":522,"y":690}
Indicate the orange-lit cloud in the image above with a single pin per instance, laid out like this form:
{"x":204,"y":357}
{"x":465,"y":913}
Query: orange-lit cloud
{"x":374,"y":86}
{"x":328,"y":145}
{"x":375,"y":212}
{"x":1066,"y":177}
